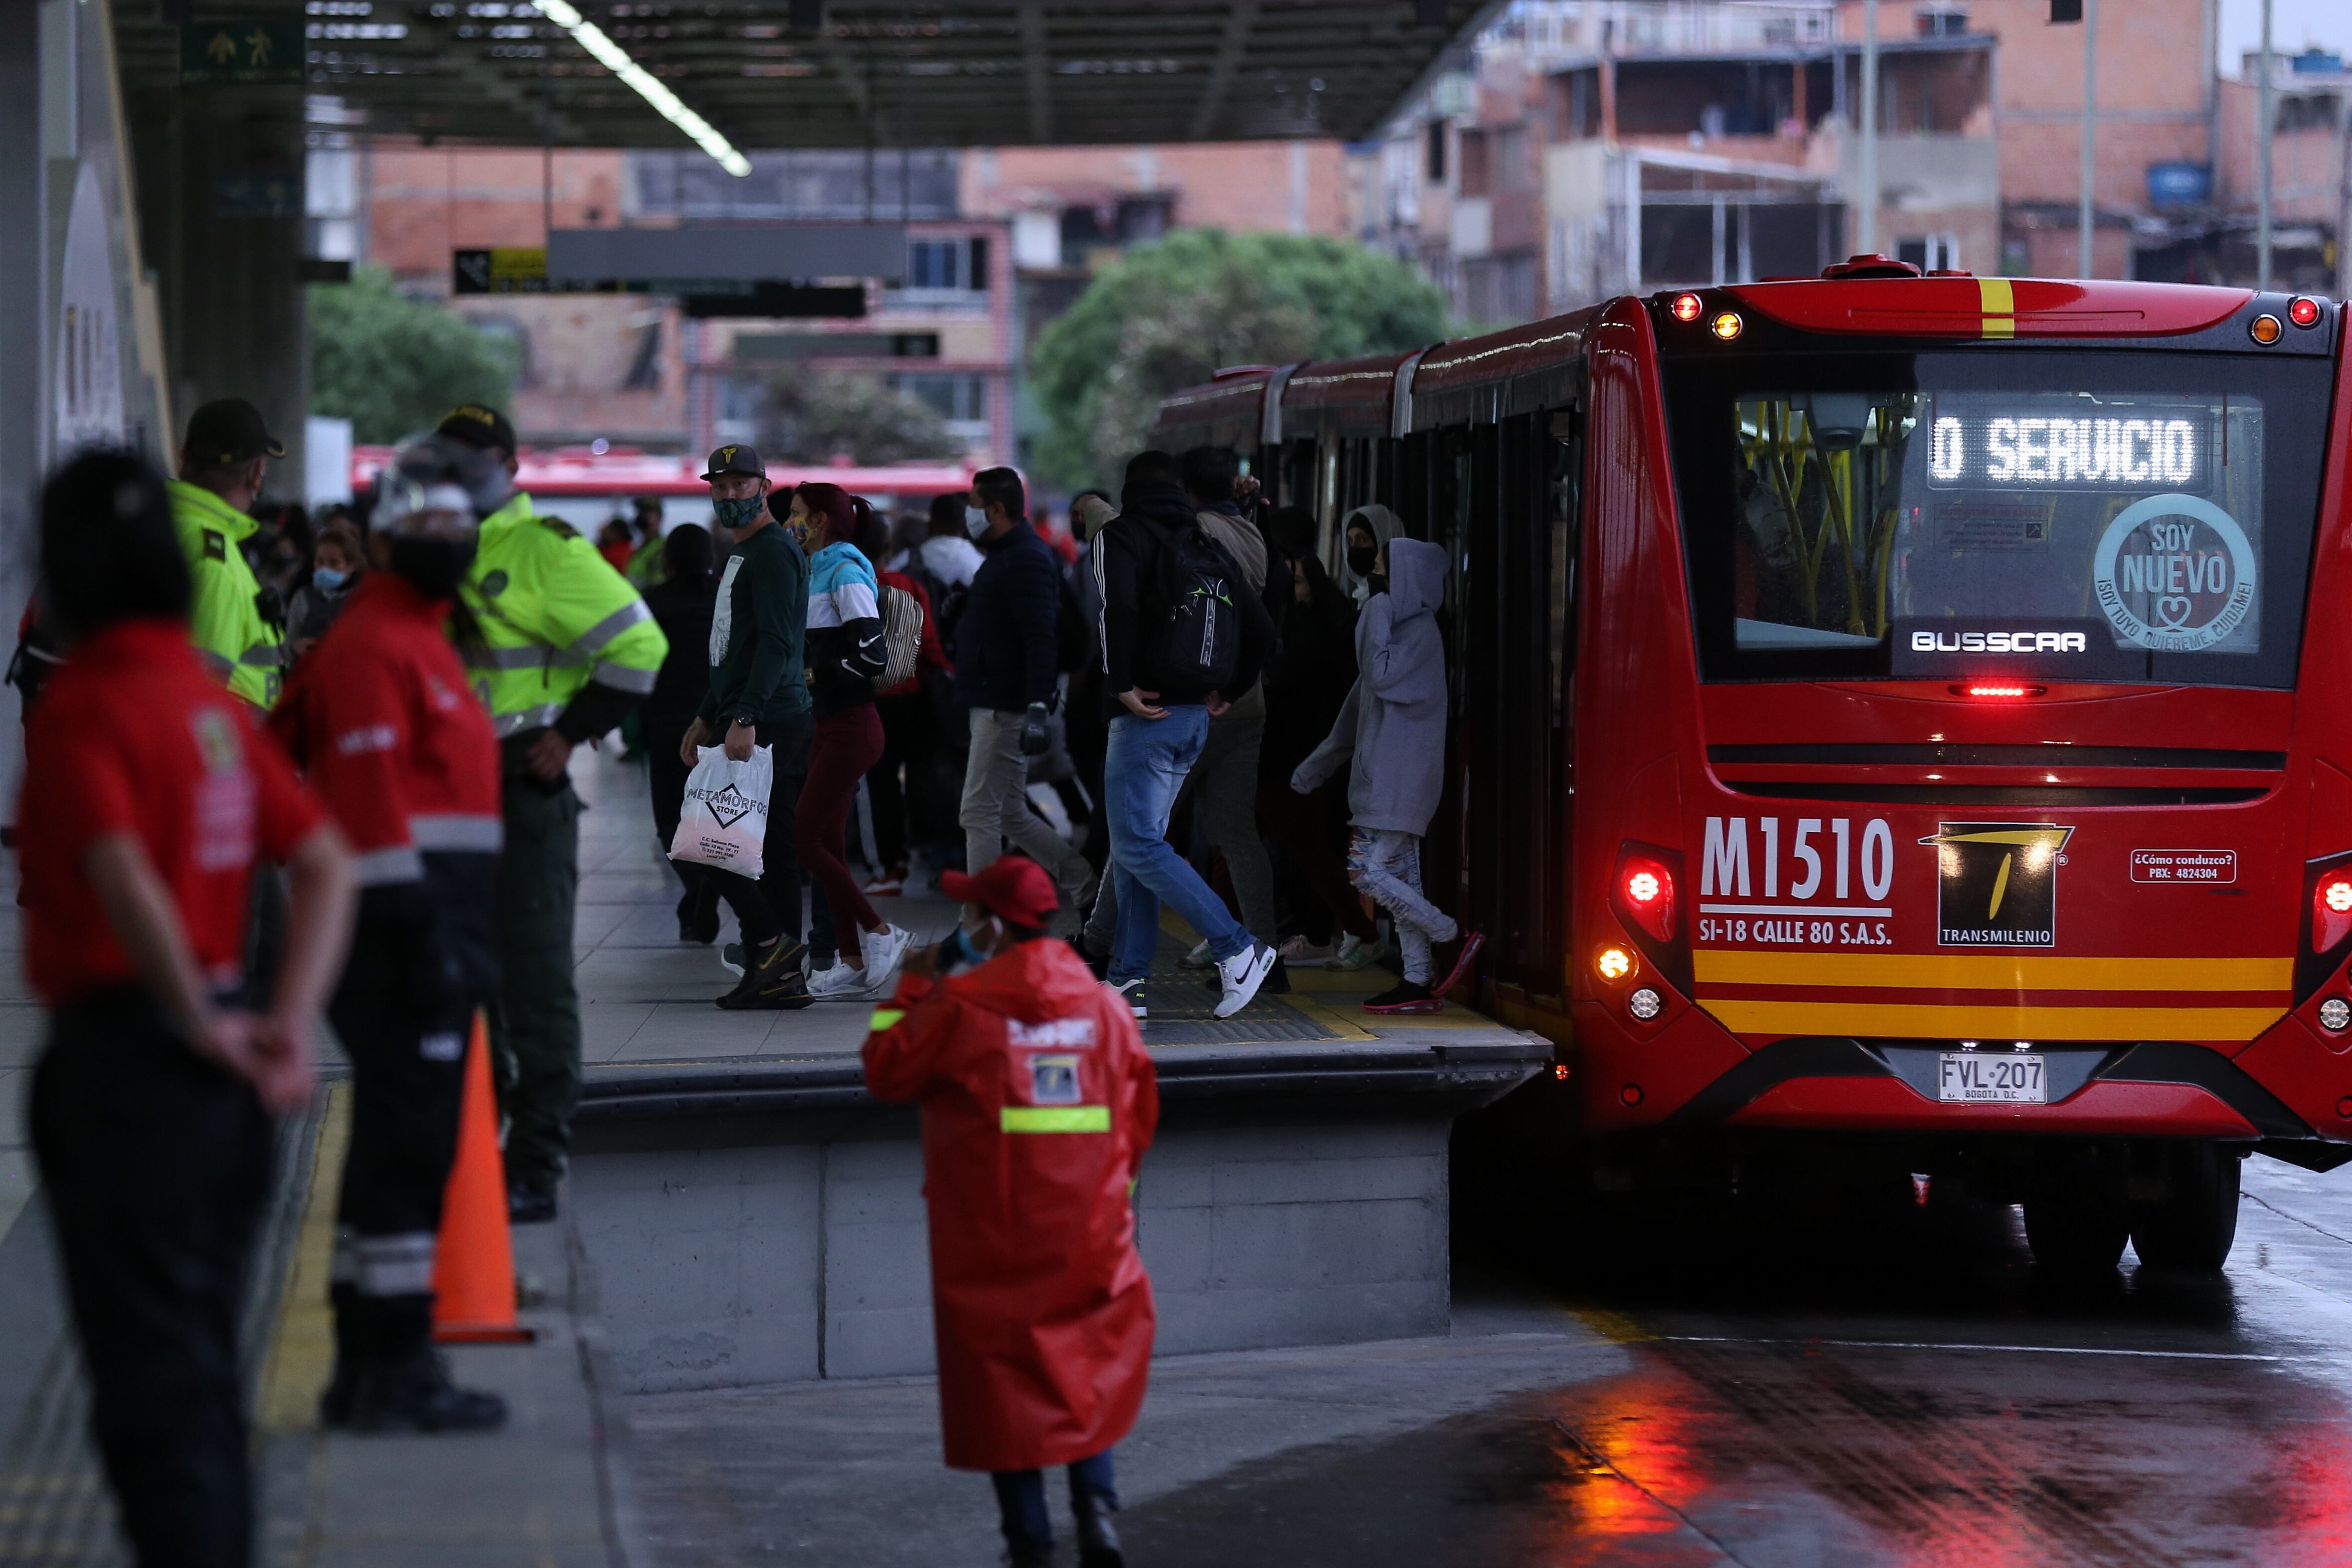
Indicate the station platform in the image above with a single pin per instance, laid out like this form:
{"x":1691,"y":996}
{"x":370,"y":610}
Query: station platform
{"x":741,"y":1214}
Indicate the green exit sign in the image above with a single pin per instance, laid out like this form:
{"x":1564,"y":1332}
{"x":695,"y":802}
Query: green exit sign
{"x":246,"y":54}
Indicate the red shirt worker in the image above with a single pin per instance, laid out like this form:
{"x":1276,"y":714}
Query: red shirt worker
{"x":380,"y":717}
{"x":1038,"y":1102}
{"x":151,"y":800}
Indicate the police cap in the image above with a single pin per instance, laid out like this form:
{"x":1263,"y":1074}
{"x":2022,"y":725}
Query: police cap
{"x":229,"y":430}
{"x":478,"y":425}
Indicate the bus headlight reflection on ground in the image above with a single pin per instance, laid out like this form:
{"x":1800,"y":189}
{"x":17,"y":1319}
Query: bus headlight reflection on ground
{"x":1614,"y":964}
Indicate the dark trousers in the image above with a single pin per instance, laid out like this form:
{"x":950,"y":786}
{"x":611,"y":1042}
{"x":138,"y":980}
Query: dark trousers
{"x":922,"y":810}
{"x":846,"y":744}
{"x":769,"y":907}
{"x":155,"y":1166}
{"x":535,"y":1026}
{"x":408,"y":1073}
{"x":1021,"y":1497}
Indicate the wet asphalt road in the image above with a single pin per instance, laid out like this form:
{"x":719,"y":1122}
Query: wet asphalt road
{"x":1870,"y":1388}
{"x":1781,"y":1387}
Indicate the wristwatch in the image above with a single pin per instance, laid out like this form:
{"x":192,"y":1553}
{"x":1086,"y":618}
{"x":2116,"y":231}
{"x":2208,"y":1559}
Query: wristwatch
{"x":748,"y":721}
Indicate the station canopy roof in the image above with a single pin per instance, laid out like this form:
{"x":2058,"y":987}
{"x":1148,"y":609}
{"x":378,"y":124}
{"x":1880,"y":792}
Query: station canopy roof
{"x":786,"y":73}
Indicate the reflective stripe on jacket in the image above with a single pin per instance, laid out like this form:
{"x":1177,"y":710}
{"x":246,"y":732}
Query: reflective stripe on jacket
{"x":555,"y":617}
{"x":241,"y":650}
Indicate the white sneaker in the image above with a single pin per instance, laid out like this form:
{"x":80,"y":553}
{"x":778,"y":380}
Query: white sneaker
{"x":1198,"y":957}
{"x":1242,"y":974}
{"x":882,"y":951}
{"x":839,"y":984}
{"x":1356,"y":953}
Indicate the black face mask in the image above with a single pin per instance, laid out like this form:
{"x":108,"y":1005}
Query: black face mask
{"x":434,"y":567}
{"x":1360,"y":558}
{"x":1378,"y":582}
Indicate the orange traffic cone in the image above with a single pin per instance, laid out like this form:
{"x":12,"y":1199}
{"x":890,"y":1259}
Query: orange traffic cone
{"x":473,"y":1271}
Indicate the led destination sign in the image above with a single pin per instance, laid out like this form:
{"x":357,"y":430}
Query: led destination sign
{"x":2028,"y":451}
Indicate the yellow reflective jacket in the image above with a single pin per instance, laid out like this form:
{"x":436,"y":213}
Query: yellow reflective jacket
{"x":556,"y":617}
{"x":244,"y":652}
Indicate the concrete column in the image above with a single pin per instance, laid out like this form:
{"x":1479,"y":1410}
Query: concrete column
{"x":220,"y":184}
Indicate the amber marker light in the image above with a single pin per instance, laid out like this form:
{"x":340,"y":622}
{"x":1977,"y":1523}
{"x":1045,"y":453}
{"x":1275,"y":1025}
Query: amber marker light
{"x":1614,"y":964}
{"x":1727,"y":325}
{"x":2338,"y":896}
{"x":1686,"y":307}
{"x":2303,"y":310}
{"x":2265,"y":329}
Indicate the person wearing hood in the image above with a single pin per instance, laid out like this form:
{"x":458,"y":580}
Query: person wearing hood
{"x":1366,"y":529}
{"x":1391,"y":732}
{"x":1153,"y":562}
{"x":406,"y":760}
{"x":1038,"y":1102}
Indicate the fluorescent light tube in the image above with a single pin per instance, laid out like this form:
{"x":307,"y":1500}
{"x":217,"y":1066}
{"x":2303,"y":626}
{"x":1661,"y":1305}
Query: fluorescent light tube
{"x":614,"y":58}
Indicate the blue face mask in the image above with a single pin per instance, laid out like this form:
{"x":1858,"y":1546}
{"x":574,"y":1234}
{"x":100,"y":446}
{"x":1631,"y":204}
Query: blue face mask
{"x":975,"y":520}
{"x":734,"y":514}
{"x":327,"y":579}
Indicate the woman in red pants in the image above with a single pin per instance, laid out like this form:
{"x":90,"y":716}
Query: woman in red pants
{"x":844,"y":653}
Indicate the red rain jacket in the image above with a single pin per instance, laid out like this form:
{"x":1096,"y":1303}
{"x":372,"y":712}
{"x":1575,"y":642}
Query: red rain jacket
{"x":1038,"y":1102}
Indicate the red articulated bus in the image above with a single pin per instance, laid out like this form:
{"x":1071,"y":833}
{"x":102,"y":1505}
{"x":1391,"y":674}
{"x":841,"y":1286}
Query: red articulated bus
{"x":1898,"y":723}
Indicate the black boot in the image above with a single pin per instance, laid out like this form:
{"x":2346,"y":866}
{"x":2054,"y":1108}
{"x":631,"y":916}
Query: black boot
{"x":412,"y":1392}
{"x":770,"y":981}
{"x":1098,"y":1538}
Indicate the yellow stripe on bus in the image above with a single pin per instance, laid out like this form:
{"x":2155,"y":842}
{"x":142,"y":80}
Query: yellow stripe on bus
{"x":1990,"y":972}
{"x":1058,"y":1119}
{"x":1894,"y":1020}
{"x":2000,"y":303}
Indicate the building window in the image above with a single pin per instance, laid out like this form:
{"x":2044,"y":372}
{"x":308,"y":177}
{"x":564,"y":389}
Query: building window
{"x":1475,"y":175}
{"x":1511,"y":158}
{"x":1929,"y":252}
{"x":1432,"y":160}
{"x":957,"y":265}
{"x":958,"y":397}
{"x":1942,"y":22}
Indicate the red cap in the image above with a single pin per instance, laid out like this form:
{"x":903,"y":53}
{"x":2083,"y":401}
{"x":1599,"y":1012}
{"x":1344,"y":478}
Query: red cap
{"x":1013,"y":888}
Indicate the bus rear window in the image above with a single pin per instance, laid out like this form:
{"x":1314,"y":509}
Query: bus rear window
{"x":2087,"y":516}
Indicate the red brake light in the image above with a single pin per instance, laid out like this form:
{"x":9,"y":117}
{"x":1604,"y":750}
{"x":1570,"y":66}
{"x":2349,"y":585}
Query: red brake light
{"x":1996,"y":690}
{"x":1687,"y":307}
{"x":1648,"y":894}
{"x":2303,"y":311}
{"x":2331,"y":912}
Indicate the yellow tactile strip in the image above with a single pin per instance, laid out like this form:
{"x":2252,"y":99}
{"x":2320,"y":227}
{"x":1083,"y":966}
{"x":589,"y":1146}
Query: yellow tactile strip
{"x":302,"y":1350}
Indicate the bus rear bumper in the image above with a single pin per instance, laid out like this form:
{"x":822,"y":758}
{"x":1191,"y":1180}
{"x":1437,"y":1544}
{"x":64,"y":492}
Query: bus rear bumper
{"x":2146,"y":1089}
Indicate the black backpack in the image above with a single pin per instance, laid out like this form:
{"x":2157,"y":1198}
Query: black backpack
{"x":1200,"y":644}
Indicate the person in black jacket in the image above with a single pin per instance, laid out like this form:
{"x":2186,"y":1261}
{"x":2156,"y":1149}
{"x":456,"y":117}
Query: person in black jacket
{"x":1005,"y":678}
{"x":682,"y":603}
{"x":1158,"y":723}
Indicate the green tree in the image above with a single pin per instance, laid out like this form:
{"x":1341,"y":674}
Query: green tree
{"x":393,"y":365}
{"x":815,"y":417}
{"x":1169,"y":315}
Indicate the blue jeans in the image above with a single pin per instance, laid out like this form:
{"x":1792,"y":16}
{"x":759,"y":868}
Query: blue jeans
{"x":1021,"y":1497}
{"x":1142,"y":771}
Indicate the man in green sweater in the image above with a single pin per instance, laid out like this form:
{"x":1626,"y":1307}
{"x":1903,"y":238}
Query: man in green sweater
{"x":758,"y":697}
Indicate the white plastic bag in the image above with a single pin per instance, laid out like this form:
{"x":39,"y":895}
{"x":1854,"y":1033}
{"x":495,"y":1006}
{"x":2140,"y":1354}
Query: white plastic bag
{"x":724,"y":821}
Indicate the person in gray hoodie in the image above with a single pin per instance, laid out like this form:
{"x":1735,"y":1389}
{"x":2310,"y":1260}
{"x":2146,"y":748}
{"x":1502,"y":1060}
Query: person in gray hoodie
{"x":1391,"y":732}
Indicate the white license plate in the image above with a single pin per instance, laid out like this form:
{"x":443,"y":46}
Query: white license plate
{"x":1980,"y":1076}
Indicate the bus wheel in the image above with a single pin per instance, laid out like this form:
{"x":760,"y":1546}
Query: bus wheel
{"x":2192,"y":1226}
{"x":2071,"y":1236}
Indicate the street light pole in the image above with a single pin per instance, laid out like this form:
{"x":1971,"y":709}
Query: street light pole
{"x":2084,"y":214}
{"x":1866,"y":224}
{"x":2262,"y":142}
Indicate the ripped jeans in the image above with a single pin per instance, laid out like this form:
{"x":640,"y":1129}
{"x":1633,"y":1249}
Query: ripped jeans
{"x":1386,"y":866}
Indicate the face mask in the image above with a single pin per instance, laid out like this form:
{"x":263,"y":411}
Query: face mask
{"x":434,"y":567}
{"x":1360,"y":559}
{"x":327,"y":579}
{"x":734,"y":513}
{"x":975,"y":521}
